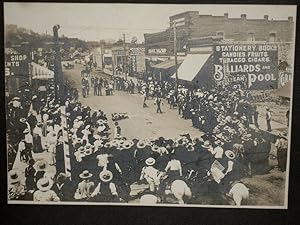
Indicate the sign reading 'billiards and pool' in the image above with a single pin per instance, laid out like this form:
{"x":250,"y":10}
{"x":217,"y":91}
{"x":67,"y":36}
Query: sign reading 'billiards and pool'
{"x":248,"y":66}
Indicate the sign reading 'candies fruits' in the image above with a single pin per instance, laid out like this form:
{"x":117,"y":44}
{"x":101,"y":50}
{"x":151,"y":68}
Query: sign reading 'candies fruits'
{"x":248,"y":66}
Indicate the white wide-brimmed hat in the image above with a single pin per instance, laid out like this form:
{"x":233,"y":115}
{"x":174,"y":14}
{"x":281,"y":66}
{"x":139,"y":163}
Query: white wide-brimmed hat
{"x":44,"y":184}
{"x":85,"y":174}
{"x":150,"y":161}
{"x":106,"y":176}
{"x":230,"y":154}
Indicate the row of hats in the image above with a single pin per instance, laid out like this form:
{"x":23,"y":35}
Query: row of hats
{"x":105,"y":175}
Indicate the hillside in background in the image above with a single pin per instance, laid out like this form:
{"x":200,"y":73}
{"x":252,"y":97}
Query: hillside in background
{"x":15,"y":35}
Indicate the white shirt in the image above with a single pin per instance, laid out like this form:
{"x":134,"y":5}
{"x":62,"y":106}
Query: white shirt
{"x":218,"y":152}
{"x":45,"y":196}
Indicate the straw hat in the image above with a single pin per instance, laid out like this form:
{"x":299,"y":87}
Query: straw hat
{"x":141,"y":144}
{"x":107,"y":145}
{"x":128,"y":144}
{"x":13,"y":177}
{"x":41,"y":165}
{"x":206,"y":144}
{"x":190,"y":147}
{"x":44,"y":184}
{"x":88,"y":150}
{"x":85,"y":174}
{"x":150,"y":161}
{"x":106,"y":176}
{"x":155,"y":148}
{"x":230,"y":154}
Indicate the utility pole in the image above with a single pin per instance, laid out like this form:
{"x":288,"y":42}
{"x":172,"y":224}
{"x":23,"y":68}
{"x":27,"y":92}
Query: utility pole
{"x":60,"y":98}
{"x":58,"y":76}
{"x":125,"y":59}
{"x":175,"y":55}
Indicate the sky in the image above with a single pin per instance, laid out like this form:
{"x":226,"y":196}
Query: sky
{"x":93,"y":22}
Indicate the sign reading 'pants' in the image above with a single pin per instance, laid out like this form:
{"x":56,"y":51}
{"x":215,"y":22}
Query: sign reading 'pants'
{"x":248,"y":66}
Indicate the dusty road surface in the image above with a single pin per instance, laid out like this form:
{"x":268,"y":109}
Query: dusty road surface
{"x":142,"y":122}
{"x":265,"y":190}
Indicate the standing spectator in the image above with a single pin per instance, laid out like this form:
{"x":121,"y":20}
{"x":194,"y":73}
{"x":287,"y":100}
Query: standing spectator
{"x":118,"y":131}
{"x":15,"y":189}
{"x":85,"y":187}
{"x":44,"y":194}
{"x":287,"y":117}
{"x":268,"y":118}
{"x":29,"y":176}
{"x":282,"y":146}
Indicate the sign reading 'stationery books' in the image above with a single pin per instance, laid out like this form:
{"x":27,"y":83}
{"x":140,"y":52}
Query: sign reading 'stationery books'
{"x":248,"y":66}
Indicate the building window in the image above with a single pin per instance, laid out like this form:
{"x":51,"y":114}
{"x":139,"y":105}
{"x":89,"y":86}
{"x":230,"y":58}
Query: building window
{"x":250,"y":36}
{"x":272,"y":37}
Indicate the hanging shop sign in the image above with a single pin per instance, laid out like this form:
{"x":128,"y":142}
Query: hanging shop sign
{"x":249,"y":66}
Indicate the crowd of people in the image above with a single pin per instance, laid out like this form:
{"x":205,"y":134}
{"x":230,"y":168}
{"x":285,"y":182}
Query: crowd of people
{"x":105,"y":166}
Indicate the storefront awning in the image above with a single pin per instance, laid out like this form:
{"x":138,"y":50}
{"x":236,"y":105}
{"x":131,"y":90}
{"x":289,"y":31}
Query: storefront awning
{"x":284,"y":91}
{"x":167,"y":64}
{"x":40,"y":72}
{"x":191,"y":66}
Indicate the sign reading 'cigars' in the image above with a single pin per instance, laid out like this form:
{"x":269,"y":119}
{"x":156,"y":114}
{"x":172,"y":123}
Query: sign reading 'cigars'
{"x":250,"y":66}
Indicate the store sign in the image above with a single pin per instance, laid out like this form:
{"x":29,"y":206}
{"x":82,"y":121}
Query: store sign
{"x":284,"y":77}
{"x":249,"y":66}
{"x":157,"y":51}
{"x":17,"y":64}
{"x":133,"y":63}
{"x":137,"y":51}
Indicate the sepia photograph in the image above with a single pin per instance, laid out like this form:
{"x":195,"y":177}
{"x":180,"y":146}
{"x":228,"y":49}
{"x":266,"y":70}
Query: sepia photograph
{"x":149,"y":104}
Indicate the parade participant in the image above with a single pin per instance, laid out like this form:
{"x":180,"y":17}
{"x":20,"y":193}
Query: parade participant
{"x":282,"y":146}
{"x":106,"y":190}
{"x":150,"y":174}
{"x":95,"y":82}
{"x":268,"y":119}
{"x":158,"y":104}
{"x":144,"y":99}
{"x":85,"y":187}
{"x":16,"y":190}
{"x":44,"y":192}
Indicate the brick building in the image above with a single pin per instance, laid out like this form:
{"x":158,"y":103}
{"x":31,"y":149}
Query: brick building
{"x":199,"y":34}
{"x":194,"y":30}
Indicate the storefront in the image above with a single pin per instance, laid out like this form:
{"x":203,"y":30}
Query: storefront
{"x":16,"y":71}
